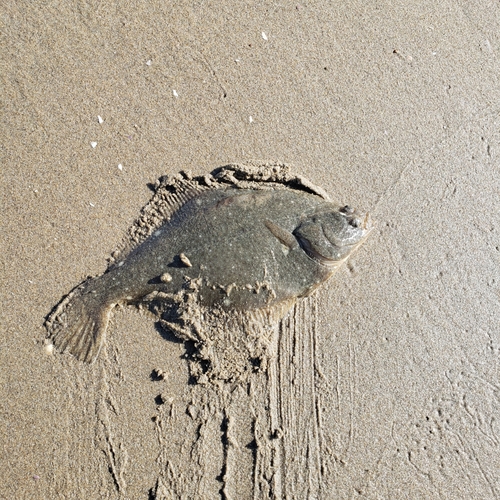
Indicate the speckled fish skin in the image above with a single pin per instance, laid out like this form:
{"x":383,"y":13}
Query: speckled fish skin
{"x":226,"y":239}
{"x":250,"y":249}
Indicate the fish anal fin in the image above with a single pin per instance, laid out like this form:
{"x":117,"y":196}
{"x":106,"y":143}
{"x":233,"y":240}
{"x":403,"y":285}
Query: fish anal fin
{"x":272,"y":313}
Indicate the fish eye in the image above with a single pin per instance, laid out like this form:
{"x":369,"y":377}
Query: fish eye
{"x":347,"y":210}
{"x":355,"y":222}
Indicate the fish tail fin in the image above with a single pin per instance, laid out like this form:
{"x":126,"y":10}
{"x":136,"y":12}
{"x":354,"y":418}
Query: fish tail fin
{"x":78,"y":324}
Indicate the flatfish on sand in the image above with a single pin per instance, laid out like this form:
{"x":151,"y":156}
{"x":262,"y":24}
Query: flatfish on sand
{"x":250,"y":238}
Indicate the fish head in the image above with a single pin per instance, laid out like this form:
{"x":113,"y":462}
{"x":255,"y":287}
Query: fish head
{"x":330,"y":236}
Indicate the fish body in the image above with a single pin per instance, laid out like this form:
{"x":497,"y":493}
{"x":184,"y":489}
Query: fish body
{"x":247,"y":248}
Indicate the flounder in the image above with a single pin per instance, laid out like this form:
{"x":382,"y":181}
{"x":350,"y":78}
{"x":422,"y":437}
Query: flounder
{"x":253,"y":238}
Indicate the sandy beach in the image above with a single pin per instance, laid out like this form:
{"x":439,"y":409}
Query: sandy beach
{"x":386,"y":381}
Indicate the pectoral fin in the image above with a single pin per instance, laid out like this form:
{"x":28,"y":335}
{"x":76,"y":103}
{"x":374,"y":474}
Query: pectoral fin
{"x":285,"y":237}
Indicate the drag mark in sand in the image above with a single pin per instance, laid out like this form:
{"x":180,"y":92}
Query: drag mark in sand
{"x":270,"y":429}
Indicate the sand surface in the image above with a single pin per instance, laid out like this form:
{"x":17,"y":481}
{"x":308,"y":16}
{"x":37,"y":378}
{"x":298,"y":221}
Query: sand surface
{"x":386,"y":382}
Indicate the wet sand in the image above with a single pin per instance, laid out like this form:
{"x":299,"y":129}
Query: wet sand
{"x":385,"y":383}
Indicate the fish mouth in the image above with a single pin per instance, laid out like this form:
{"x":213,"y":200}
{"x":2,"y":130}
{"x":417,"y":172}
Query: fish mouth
{"x":358,"y":226}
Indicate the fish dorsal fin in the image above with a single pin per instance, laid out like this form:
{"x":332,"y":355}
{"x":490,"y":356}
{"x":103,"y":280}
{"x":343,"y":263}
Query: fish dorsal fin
{"x":170,"y":194}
